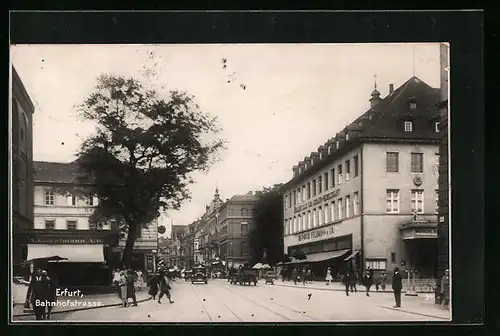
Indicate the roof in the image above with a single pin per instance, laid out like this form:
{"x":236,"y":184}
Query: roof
{"x":384,"y":122}
{"x":55,"y":172}
{"x":244,"y":198}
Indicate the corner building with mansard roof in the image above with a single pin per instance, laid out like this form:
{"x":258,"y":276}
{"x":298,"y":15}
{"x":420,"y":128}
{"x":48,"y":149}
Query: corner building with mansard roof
{"x":368,"y":196}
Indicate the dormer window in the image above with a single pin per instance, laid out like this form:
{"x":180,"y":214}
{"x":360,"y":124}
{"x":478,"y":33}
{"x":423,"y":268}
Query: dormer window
{"x":408,"y":125}
{"x":329,"y":150}
{"x":436,"y":126}
{"x":347,"y":137}
{"x":337,"y":144}
{"x":312,"y":162}
{"x":413,"y":103}
{"x":321,"y":155}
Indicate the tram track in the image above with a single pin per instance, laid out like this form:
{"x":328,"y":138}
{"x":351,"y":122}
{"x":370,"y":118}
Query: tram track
{"x":242,"y":294}
{"x":200,"y":300}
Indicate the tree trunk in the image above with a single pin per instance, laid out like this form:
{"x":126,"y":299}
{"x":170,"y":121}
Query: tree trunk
{"x":129,"y":246}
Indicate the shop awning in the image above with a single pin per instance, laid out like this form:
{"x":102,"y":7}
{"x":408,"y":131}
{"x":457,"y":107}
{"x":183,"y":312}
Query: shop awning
{"x":316,"y":257}
{"x":354,"y":254}
{"x":73,"y":253}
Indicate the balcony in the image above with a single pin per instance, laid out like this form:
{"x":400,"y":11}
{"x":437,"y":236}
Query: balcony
{"x":418,"y":229}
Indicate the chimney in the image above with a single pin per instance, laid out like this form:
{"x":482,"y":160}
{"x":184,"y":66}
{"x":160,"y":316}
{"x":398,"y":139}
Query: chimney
{"x":391,"y":88}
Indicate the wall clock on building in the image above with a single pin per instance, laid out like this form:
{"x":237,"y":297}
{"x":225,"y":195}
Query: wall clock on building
{"x":417,"y":180}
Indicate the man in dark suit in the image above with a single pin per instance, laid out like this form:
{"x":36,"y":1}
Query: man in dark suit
{"x":38,"y":294}
{"x":50,"y":293}
{"x":397,"y":286}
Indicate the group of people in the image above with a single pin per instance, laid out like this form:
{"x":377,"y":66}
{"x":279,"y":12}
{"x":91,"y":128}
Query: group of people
{"x":125,"y":282}
{"x":159,"y":284}
{"x":41,"y":290}
{"x":303,"y":275}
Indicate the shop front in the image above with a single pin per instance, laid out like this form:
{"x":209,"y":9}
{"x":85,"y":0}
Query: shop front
{"x":420,"y":240}
{"x":336,"y":253}
{"x":83,"y":258}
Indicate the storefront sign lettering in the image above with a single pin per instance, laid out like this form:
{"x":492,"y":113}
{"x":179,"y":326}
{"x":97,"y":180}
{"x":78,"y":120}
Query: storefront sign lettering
{"x":316,"y":234}
{"x":426,"y":232}
{"x":317,"y":201}
{"x":62,"y":240}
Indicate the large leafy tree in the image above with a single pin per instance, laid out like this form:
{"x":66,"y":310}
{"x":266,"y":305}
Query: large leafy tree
{"x":140,"y":159}
{"x":266,"y":237}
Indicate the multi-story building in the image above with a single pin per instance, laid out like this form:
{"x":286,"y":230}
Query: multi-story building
{"x":177,"y":234}
{"x":368,"y":196}
{"x":235,"y":221}
{"x":187,"y":247}
{"x":207,"y":226}
{"x":444,"y":220}
{"x":22,"y":165}
{"x":61,"y":228}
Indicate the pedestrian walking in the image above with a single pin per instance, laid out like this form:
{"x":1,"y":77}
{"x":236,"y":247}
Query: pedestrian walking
{"x":328,"y":277}
{"x":368,"y":280}
{"x":397,"y":286}
{"x":346,"y":278}
{"x":122,"y":286}
{"x":115,"y":282}
{"x":38,"y":293}
{"x":309,"y":276}
{"x":153,"y":284}
{"x":445,"y":289}
{"x":383,"y":281}
{"x":131,"y":278}
{"x":50,"y":294}
{"x":353,"y":281}
{"x":295,"y":275}
{"x":303,"y":276}
{"x":164,"y":287}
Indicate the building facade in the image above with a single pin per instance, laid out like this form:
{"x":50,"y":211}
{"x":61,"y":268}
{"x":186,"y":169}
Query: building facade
{"x":234,"y":226}
{"x":61,"y":228}
{"x":368,"y":197}
{"x":22,"y":110}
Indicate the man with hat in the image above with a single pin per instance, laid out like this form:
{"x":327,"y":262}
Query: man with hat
{"x":40,"y":294}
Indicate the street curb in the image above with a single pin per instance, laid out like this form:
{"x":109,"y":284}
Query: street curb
{"x":80,"y":309}
{"x":414,"y":313}
{"x":340,"y":289}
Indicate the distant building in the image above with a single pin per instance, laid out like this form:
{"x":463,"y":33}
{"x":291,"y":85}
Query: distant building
{"x":22,"y":165}
{"x":235,"y":222}
{"x":368,"y":197}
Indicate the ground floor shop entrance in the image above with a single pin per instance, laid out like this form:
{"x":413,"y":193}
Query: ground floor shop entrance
{"x":419,"y":239}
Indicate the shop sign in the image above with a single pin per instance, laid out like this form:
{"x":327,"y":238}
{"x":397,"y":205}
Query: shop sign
{"x":426,"y":232}
{"x":317,"y":201}
{"x":64,"y":241}
{"x":316,"y":234}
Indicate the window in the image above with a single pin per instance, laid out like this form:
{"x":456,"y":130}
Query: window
{"x":315,"y":218}
{"x":417,"y":201}
{"x":332,"y":212}
{"x":417,"y":162}
{"x":377,"y":264}
{"x":320,"y":185}
{"x":287,"y":228}
{"x":314,"y":187}
{"x":329,"y":149}
{"x":408,"y":126}
{"x":298,"y":196}
{"x":50,"y":224}
{"x":286,"y":201}
{"x":347,"y":137}
{"x":355,"y":161}
{"x":71,"y":224}
{"x":347,"y":206}
{"x":92,"y":201}
{"x":337,"y":144}
{"x":309,"y":220}
{"x":332,"y":174}
{"x":299,"y":224}
{"x":71,"y":200}
{"x":304,"y":193}
{"x":392,"y":200}
{"x":392,"y":162}
{"x":437,"y":201}
{"x":326,"y":213}
{"x":436,"y":127}
{"x":347,"y":170}
{"x":303,"y":221}
{"x":49,"y":197}
{"x":244,"y":228}
{"x":289,"y":200}
{"x":295,"y":197}
{"x":320,"y":216}
{"x":325,"y":175}
{"x":340,"y":210}
{"x":94,"y":226}
{"x":393,"y":257}
{"x":308,"y":190}
{"x":294,"y":225}
{"x":339,"y":174}
{"x":355,"y":206}
{"x":244,"y":248}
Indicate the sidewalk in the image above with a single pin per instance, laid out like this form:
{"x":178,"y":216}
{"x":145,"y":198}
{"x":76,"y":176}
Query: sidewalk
{"x":87,"y":302}
{"x":423,"y":304}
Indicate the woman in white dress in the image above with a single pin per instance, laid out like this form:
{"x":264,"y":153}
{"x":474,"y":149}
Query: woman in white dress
{"x":328,"y":276}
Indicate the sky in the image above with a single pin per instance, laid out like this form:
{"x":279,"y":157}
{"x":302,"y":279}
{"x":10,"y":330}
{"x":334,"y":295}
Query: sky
{"x":276,"y":103}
